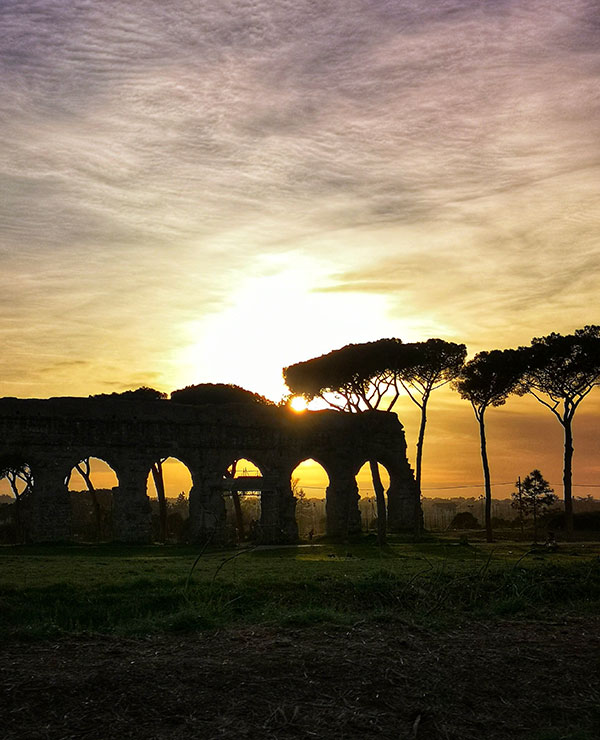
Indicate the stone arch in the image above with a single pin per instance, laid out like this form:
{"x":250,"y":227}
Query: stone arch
{"x":363,"y":475}
{"x":130,"y":506}
{"x":15,"y":460}
{"x":310,"y":481}
{"x":242,"y":491}
{"x":168,"y":485}
{"x":17,"y":482}
{"x":91,"y":483}
{"x":129,"y":436}
{"x":103,"y":471}
{"x":212,"y":486}
{"x":368,"y":503}
{"x":244,"y":466}
{"x":402,"y":499}
{"x":219,"y":462}
{"x":341,"y":496}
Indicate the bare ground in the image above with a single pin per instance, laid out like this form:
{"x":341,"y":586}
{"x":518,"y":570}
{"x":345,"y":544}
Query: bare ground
{"x":481,"y":680}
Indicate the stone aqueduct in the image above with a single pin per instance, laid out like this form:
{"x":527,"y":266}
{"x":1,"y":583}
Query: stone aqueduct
{"x":52,"y":435}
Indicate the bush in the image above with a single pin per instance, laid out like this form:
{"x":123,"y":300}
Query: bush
{"x":465,"y":520}
{"x":587,"y":521}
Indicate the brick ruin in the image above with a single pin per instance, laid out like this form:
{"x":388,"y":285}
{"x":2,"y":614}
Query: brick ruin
{"x":53,"y":435}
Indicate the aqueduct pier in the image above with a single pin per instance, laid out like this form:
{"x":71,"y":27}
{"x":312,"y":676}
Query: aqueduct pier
{"x":52,"y":435}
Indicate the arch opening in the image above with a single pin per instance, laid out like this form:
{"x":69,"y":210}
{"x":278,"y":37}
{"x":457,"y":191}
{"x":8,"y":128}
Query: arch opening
{"x":242,"y":490}
{"x":309,"y":482}
{"x":168,"y":487}
{"x":16,"y":488}
{"x":92,"y":483}
{"x":368,"y":499}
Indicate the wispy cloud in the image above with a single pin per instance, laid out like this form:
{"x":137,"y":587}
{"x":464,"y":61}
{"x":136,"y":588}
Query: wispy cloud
{"x":444,"y":155}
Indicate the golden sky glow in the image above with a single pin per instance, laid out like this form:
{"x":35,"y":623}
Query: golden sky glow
{"x":209,"y":192}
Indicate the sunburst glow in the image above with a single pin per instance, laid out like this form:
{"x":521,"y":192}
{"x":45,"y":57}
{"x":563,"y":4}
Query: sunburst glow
{"x":274,"y":319}
{"x":298,"y":404}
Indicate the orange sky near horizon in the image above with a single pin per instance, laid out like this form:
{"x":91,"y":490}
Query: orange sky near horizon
{"x":208,"y":193}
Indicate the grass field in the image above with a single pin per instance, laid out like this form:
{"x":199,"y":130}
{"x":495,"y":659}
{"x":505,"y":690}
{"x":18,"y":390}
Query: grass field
{"x":425,"y":641}
{"x":48,"y":591}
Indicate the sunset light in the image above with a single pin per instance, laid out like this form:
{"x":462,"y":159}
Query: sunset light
{"x":300,"y":369}
{"x":298,"y":404}
{"x":271,"y":318}
{"x":213,"y":206}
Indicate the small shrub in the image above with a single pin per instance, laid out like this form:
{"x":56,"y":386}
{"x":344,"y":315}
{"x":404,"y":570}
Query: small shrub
{"x":465,"y":520}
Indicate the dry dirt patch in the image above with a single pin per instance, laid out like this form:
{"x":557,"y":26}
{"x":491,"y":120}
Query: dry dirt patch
{"x":493,"y":680}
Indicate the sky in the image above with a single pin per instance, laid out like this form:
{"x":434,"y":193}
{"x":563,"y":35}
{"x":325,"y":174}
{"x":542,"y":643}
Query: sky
{"x":210,"y":191}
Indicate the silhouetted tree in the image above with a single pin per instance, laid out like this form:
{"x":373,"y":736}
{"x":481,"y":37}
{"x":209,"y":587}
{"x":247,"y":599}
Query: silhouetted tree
{"x":533,"y":496}
{"x":355,"y":378}
{"x":303,"y":506}
{"x":372,"y":375}
{"x":425,"y":367}
{"x":18,"y":475}
{"x":237,"y":504}
{"x":140,"y":394}
{"x":217,"y":393}
{"x":561,"y":372}
{"x":84,"y":469}
{"x":159,"y":485}
{"x":487,"y":380}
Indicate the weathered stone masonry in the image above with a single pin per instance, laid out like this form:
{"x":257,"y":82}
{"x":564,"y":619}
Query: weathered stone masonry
{"x":53,"y":435}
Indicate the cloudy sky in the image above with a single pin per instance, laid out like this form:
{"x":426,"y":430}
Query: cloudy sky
{"x":210,"y":190}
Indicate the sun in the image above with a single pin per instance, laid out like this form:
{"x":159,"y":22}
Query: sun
{"x":298,"y":404}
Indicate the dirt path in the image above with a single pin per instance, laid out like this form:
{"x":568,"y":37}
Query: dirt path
{"x":508,"y":680}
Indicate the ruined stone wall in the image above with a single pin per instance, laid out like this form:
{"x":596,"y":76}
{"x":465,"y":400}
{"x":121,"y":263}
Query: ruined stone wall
{"x":53,"y":435}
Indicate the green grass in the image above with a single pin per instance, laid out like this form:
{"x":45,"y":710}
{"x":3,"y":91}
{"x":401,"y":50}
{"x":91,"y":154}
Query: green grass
{"x":53,"y":590}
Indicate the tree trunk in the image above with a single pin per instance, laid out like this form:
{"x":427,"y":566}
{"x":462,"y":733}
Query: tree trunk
{"x":487,"y":480}
{"x":85,"y":474}
{"x":567,"y":477}
{"x":418,"y":465}
{"x":12,"y":479}
{"x":159,"y":484}
{"x":237,"y":506}
{"x":380,"y":498}
{"x":535,"y":537}
{"x":18,"y":520}
{"x":239,"y":519}
{"x":522,"y":526}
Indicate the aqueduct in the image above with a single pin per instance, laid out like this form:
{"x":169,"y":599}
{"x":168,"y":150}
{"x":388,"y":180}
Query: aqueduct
{"x":52,"y":435}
